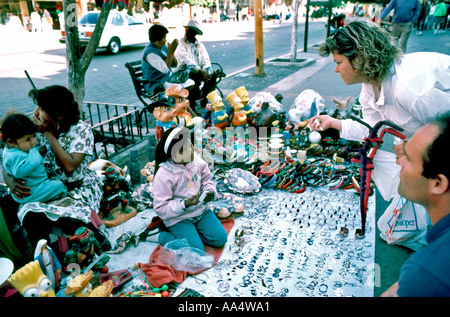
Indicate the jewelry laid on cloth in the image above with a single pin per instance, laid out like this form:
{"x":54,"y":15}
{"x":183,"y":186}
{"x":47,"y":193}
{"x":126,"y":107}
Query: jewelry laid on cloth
{"x":293,"y":245}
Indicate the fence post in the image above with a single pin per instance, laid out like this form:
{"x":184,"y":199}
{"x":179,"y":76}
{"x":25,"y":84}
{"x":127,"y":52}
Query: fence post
{"x":135,"y":167}
{"x":151,"y":144}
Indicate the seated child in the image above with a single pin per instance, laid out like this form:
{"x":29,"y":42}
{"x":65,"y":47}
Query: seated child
{"x":181,"y":180}
{"x":21,"y":159}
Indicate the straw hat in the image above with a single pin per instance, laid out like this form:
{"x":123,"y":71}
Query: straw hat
{"x":194,"y":25}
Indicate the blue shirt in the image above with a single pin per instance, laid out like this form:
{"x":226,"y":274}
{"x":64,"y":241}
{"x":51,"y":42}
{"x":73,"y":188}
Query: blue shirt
{"x":427,"y":272}
{"x":150,"y":71}
{"x":404,"y":11}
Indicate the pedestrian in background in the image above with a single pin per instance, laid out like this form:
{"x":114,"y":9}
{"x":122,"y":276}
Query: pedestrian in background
{"x":406,"y":13}
{"x":430,"y":19}
{"x":406,"y":89}
{"x":440,"y":13}
{"x":423,"y":14}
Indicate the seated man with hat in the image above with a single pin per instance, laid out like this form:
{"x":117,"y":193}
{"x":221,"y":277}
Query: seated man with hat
{"x":194,"y":54}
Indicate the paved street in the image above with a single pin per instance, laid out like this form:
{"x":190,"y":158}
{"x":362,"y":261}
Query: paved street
{"x":230,"y":44}
{"x":107,"y":80}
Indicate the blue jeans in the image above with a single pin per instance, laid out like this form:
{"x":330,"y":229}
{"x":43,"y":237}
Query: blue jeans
{"x":205,"y":228}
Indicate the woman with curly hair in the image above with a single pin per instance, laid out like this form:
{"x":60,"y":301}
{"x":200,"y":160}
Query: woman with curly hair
{"x":406,"y":89}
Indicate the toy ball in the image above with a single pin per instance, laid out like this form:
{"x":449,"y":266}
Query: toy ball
{"x":315,"y":137}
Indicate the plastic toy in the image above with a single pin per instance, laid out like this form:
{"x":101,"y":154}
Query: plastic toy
{"x":181,"y":116}
{"x":48,"y":262}
{"x":80,"y":285}
{"x":163,"y":113}
{"x":239,"y":118}
{"x":83,"y":250}
{"x":103,"y":290}
{"x":242,"y":93}
{"x":265,"y":117}
{"x":30,"y":281}
{"x":219,"y":116}
{"x":116,"y":194}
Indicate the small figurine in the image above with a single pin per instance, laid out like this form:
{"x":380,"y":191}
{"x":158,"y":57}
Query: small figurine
{"x":48,"y":262}
{"x":115,"y":190}
{"x":163,"y":113}
{"x":148,"y":171}
{"x":181,"y":115}
{"x":80,"y":285}
{"x":242,"y":93}
{"x":219,"y":117}
{"x":265,"y":117}
{"x":30,"y":281}
{"x":239,"y":118}
{"x":103,"y":290}
{"x":84,"y":248}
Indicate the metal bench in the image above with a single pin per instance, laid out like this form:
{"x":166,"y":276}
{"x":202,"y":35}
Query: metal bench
{"x":135,"y":69}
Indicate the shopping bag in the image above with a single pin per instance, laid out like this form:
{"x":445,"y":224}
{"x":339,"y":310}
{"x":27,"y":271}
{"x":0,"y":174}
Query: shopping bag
{"x":404,"y":223}
{"x":386,"y":173}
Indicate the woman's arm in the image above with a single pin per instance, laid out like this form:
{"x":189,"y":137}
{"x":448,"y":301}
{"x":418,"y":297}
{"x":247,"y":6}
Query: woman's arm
{"x":69,"y":162}
{"x":17,"y":186}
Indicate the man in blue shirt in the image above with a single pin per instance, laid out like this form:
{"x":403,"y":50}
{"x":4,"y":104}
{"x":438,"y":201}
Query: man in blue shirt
{"x":406,"y":13}
{"x":425,"y":179}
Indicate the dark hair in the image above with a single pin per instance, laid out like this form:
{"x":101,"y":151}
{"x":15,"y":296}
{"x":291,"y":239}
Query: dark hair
{"x":176,"y":144}
{"x":156,"y":32}
{"x":57,"y":101}
{"x":17,"y":125}
{"x":435,"y":160}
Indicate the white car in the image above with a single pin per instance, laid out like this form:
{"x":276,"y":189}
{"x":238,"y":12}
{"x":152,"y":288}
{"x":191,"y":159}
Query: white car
{"x":120,"y":30}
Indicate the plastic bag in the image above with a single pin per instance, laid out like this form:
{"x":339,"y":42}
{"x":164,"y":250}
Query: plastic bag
{"x":404,"y":223}
{"x":386,"y":173}
{"x":181,"y":256}
{"x":181,"y":75}
{"x":261,"y":97}
{"x":301,"y":109}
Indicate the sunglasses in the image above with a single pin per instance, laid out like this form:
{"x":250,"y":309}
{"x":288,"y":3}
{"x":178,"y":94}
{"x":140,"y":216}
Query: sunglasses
{"x":341,"y":31}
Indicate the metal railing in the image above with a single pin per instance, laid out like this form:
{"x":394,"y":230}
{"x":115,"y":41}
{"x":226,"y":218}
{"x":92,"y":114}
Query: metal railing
{"x":116,"y":127}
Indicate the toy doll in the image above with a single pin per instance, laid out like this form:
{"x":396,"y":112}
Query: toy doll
{"x":80,"y":286}
{"x":239,"y":118}
{"x":219,"y":117}
{"x":181,"y":115}
{"x":30,"y":281}
{"x":83,"y":249}
{"x":242,"y":93}
{"x":48,"y":262}
{"x":164,"y":113}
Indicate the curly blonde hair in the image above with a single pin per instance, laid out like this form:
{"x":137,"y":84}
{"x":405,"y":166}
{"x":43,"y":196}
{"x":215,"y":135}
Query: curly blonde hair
{"x":370,"y":49}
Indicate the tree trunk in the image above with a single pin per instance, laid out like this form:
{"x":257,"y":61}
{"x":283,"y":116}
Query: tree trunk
{"x":294,"y":32}
{"x":78,"y":62}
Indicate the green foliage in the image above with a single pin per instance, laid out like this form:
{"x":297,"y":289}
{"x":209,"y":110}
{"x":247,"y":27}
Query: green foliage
{"x":202,"y":3}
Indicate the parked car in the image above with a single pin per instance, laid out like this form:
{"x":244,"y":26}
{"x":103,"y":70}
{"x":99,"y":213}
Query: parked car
{"x":120,"y":30}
